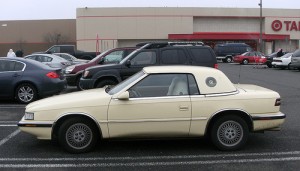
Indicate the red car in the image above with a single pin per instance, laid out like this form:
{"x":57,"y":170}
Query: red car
{"x":250,"y":57}
{"x":74,"y":72}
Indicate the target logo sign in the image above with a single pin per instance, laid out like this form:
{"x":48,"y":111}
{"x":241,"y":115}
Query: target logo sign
{"x":276,"y":25}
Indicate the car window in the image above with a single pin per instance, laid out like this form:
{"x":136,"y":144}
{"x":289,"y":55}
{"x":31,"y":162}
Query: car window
{"x":173,"y":56}
{"x":69,"y":58}
{"x":7,"y":66}
{"x":158,"y":85}
{"x":31,"y":57}
{"x":54,"y":49}
{"x":144,"y":58}
{"x":201,"y":55}
{"x":114,"y":57}
{"x":296,"y":53}
{"x":19,"y":66}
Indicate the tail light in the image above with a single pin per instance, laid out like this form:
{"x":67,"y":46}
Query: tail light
{"x":216,"y":66}
{"x":52,"y":75}
{"x":278,"y":102}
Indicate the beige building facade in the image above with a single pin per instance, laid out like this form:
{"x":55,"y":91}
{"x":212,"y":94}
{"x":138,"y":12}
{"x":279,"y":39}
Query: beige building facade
{"x":35,"y":35}
{"x":118,"y":27}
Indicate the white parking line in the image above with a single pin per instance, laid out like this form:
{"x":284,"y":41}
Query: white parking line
{"x":8,"y":125}
{"x":9,"y":137}
{"x":147,"y":164}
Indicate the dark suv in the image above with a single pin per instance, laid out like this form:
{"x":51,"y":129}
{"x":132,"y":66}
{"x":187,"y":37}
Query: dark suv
{"x":150,"y":54}
{"x":73,"y":73}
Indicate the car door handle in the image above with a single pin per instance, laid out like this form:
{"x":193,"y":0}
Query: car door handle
{"x":16,"y":75}
{"x":183,"y":108}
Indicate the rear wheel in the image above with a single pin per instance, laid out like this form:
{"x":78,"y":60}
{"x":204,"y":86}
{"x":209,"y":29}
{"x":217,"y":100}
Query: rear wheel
{"x":229,"y":133}
{"x":245,"y":62}
{"x":78,"y":135}
{"x":26,"y":93}
{"x":228,"y":59}
{"x":269,"y":64}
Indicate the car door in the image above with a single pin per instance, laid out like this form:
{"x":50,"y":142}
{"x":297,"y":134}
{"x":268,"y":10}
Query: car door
{"x":137,"y":62}
{"x":158,"y":105}
{"x":10,"y":73}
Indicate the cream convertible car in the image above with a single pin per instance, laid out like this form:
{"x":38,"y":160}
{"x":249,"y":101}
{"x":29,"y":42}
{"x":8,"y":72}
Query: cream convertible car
{"x":168,"y":101}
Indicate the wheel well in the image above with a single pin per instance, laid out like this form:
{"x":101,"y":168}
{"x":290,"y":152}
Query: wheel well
{"x":241,"y":114}
{"x":61,"y":120}
{"x":106,"y":78}
{"x":25,"y":82}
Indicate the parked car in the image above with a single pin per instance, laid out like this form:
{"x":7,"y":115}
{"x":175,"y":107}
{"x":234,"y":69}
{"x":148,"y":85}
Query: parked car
{"x":50,"y":60}
{"x":74,"y":73}
{"x":70,"y":49}
{"x":283,"y":61}
{"x":250,"y":57}
{"x":295,"y":60}
{"x":161,"y":101}
{"x":270,"y":58}
{"x":71,"y":58}
{"x":227,"y":51}
{"x":27,"y":80}
{"x":150,"y":54}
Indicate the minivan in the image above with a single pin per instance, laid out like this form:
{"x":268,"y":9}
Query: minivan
{"x":227,"y":51}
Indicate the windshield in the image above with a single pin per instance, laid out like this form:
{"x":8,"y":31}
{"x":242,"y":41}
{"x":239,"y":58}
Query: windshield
{"x":99,"y":56}
{"x":126,"y":82}
{"x":287,"y":55}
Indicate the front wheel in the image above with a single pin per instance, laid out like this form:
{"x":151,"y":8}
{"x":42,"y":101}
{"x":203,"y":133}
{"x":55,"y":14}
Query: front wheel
{"x":245,"y":62}
{"x":229,"y":133}
{"x":77,"y":135}
{"x":104,"y":83}
{"x":228,"y":59}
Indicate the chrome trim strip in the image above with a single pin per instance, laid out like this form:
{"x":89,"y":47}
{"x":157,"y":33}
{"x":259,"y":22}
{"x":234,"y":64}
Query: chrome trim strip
{"x":278,"y":115}
{"x":149,"y":120}
{"x":161,"y":97}
{"x":36,"y":123}
{"x":222,"y":94}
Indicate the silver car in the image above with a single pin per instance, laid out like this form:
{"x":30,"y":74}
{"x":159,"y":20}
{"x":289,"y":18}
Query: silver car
{"x":295,"y":62}
{"x":50,"y":60}
{"x":71,"y":58}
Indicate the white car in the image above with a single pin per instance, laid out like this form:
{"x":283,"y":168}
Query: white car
{"x":71,"y":58}
{"x":162,"y":101}
{"x":50,"y":60}
{"x":283,"y":61}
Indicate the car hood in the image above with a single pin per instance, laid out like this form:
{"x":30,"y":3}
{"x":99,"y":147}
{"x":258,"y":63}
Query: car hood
{"x":87,"y":98}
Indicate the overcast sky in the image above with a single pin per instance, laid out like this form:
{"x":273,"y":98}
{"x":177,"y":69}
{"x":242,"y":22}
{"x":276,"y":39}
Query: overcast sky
{"x":66,"y":9}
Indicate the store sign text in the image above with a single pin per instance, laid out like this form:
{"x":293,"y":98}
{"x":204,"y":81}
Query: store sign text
{"x":288,"y":25}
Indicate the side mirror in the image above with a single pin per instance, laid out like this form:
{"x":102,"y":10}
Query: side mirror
{"x":128,"y":63}
{"x":48,"y":52}
{"x":101,"y":61}
{"x":124,"y":96}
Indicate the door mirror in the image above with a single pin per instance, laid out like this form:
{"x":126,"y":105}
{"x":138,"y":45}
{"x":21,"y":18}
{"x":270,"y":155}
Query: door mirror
{"x":124,"y":96}
{"x":128,"y":63}
{"x":101,"y":61}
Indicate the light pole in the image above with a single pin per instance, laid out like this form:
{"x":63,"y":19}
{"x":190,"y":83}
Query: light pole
{"x":260,"y":28}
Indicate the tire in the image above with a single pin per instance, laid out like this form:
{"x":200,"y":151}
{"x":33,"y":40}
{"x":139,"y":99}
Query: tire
{"x":78,"y":84}
{"x":77,"y":135}
{"x":228,"y":59}
{"x":245,"y":62}
{"x":26,"y":93}
{"x":103,"y":83}
{"x":289,"y":66}
{"x":269,"y":65}
{"x":229,"y":133}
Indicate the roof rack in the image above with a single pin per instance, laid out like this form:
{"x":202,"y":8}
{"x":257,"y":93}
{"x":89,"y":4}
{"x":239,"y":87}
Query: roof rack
{"x":151,"y":45}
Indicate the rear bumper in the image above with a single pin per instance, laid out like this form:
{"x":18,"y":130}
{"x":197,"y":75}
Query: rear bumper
{"x":267,"y":121}
{"x":52,"y":88}
{"x":71,"y":79}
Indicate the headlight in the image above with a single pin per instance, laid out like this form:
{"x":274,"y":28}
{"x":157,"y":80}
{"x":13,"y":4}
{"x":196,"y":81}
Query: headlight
{"x":29,"y":116}
{"x":69,"y":69}
{"x":85,"y":74}
{"x":263,"y":57}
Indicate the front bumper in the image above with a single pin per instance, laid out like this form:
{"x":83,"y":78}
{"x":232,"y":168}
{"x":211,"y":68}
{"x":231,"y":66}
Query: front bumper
{"x":87,"y":83}
{"x":71,"y":79}
{"x":40,"y":129}
{"x":267,"y":121}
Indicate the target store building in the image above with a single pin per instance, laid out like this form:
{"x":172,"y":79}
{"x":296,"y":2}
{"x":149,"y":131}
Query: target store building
{"x":119,"y":27}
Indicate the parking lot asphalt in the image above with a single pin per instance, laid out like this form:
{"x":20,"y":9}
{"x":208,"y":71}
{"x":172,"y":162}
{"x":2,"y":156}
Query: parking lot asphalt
{"x":269,"y":151}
